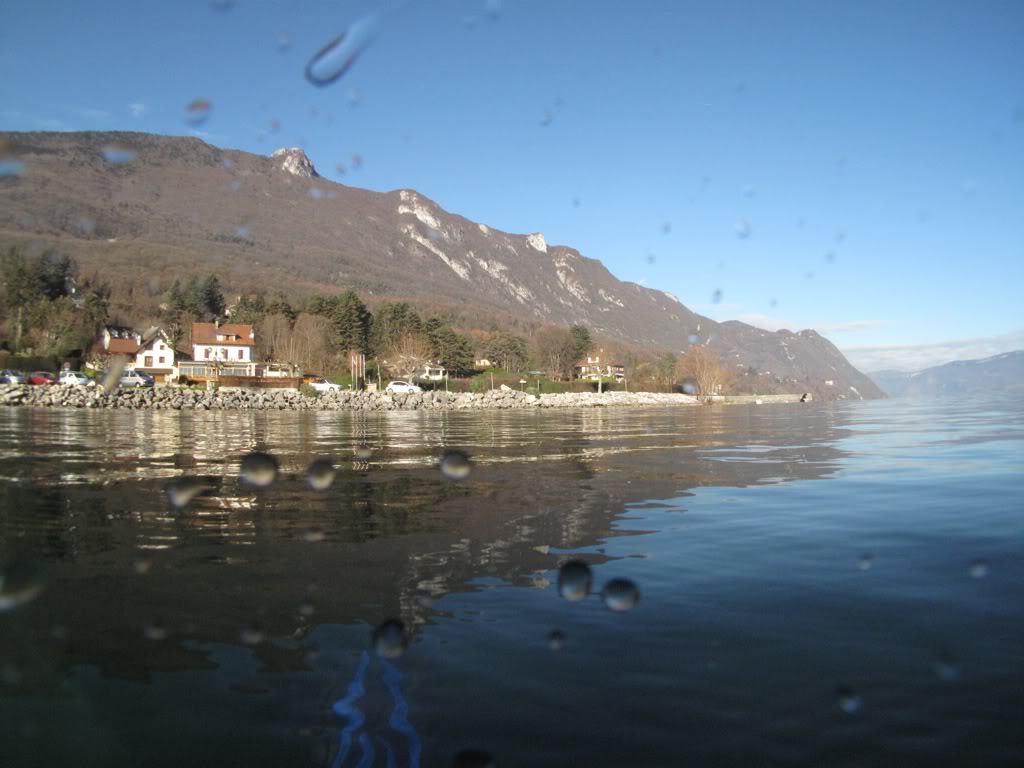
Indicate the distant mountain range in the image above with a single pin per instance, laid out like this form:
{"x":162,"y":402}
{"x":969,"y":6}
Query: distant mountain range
{"x":997,"y":374}
{"x":145,"y":209}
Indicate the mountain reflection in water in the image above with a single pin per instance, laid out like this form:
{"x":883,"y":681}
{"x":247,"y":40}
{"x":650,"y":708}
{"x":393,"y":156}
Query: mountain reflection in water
{"x":228,"y":631}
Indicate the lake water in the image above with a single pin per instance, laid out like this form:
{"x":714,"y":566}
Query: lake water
{"x":821,"y":584}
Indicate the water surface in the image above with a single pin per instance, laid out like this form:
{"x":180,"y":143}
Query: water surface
{"x":821,"y":584}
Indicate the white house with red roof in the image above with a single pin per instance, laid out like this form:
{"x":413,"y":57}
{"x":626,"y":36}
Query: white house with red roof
{"x":226,"y":343}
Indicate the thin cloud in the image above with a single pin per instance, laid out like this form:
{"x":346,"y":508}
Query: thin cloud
{"x":910,"y":357}
{"x":848,"y":326}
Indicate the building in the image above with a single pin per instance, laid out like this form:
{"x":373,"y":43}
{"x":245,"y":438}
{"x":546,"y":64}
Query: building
{"x":118,"y":340}
{"x":157,"y":356}
{"x":595,"y":370}
{"x":227,"y":343}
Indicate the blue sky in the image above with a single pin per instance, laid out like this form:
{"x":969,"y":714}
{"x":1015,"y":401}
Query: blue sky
{"x":874,"y":151}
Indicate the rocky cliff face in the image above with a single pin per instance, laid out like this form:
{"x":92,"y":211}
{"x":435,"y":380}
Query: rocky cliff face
{"x":182,"y":205}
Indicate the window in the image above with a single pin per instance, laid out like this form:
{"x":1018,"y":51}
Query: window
{"x":209,"y":352}
{"x":240,"y":355}
{"x":148,"y":361}
{"x":161,"y":359}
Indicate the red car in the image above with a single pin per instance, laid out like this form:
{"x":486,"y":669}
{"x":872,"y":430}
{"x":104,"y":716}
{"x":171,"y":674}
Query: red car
{"x":41,"y":377}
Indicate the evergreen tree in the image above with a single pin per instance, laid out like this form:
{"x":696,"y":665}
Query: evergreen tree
{"x":582,"y":340}
{"x":211,"y":299}
{"x":391,"y":321}
{"x":351,"y":321}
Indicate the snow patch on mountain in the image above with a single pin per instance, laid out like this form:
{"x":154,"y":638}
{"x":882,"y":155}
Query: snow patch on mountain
{"x":609,"y":298}
{"x":294,"y":161}
{"x":459,"y":268}
{"x":420,"y":211}
{"x":536,"y":241}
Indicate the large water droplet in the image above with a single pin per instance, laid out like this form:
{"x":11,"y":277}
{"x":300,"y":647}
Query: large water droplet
{"x":620,"y":595}
{"x":115,"y":153}
{"x":556,"y":639}
{"x":112,"y":374}
{"x":848,"y":700}
{"x":979,"y":569}
{"x":181,"y":491}
{"x":21,"y":582}
{"x":574,"y":580}
{"x":321,"y":474}
{"x":474,"y":758}
{"x":198,"y":111}
{"x":336,"y":58}
{"x":259,"y":470}
{"x":455,"y":465}
{"x":389,"y":639}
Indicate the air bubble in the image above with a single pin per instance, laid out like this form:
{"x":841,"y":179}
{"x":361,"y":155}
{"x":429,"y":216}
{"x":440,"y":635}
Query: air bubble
{"x":848,"y":700}
{"x":556,"y":640}
{"x":332,"y":61}
{"x":198,"y":111}
{"x":474,"y":758}
{"x":321,"y":474}
{"x":455,"y":465}
{"x":574,"y":581}
{"x":181,"y":491}
{"x":259,"y":470}
{"x":313,"y":534}
{"x":620,"y":595}
{"x":21,"y":582}
{"x":115,"y":153}
{"x":743,"y":229}
{"x":979,"y":569}
{"x":389,"y":639}
{"x":251,"y":634}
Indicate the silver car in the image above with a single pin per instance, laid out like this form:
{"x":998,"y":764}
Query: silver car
{"x":74,"y":378}
{"x":133,"y":378}
{"x":13,"y":377}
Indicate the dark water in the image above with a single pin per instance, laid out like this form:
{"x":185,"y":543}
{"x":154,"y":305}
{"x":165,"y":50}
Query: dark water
{"x":836,"y":585}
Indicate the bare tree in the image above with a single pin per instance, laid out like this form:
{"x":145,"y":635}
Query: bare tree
{"x":310,"y":343}
{"x":703,"y":367}
{"x":272,"y":339}
{"x":407,"y":355}
{"x":555,"y":350}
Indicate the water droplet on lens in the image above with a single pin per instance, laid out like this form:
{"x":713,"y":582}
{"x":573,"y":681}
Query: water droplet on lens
{"x":574,"y":580}
{"x":154,"y":631}
{"x":340,"y":168}
{"x":425,"y":601}
{"x":689,"y":388}
{"x":455,"y":465}
{"x":259,"y":470}
{"x":284,"y":42}
{"x":946,"y":668}
{"x":848,"y":700}
{"x":666,"y":227}
{"x":251,"y":634}
{"x":198,"y":111}
{"x":335,"y":59}
{"x":307,"y":609}
{"x":979,"y":569}
{"x":693,"y":338}
{"x":546,"y":120}
{"x":556,"y":640}
{"x":362,"y":453}
{"x":313,"y":534}
{"x":575,"y":202}
{"x":716,"y":297}
{"x":315,"y":192}
{"x":357,"y":161}
{"x":114,"y":153}
{"x":620,"y":595}
{"x":830,"y":257}
{"x":142,"y":566}
{"x":21,"y":582}
{"x":181,"y":491}
{"x":389,"y":639}
{"x":242,"y":232}
{"x":321,"y":474}
{"x":86,"y":225}
{"x":9,"y":164}
{"x":222,"y":5}
{"x":743,"y":229}
{"x":112,"y":374}
{"x":474,"y":758}
{"x":865,"y":562}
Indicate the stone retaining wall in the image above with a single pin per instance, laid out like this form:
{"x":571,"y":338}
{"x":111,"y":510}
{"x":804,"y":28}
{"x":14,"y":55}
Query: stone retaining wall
{"x":171,"y":398}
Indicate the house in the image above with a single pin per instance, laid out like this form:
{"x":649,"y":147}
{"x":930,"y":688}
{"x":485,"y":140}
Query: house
{"x":594,"y":370}
{"x":230,"y":342}
{"x":482,"y":363}
{"x":157,"y":356}
{"x":433,"y":372}
{"x":118,"y":340}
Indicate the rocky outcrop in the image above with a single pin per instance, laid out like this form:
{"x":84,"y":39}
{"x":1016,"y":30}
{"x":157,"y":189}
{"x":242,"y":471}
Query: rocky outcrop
{"x":172,"y":398}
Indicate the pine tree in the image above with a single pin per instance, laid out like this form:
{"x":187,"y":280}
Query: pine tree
{"x":351,"y":322}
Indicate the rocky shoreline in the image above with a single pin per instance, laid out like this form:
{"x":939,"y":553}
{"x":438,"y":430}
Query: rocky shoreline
{"x":170,"y":398}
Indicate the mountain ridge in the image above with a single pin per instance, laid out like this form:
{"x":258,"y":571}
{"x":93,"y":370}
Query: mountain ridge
{"x":177,"y":203}
{"x":1001,"y":373}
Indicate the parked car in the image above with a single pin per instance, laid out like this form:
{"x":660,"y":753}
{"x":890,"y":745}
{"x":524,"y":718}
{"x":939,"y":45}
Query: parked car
{"x":402,"y":387}
{"x":136,"y":379}
{"x":13,"y":377}
{"x":41,"y":377}
{"x":321,"y":384}
{"x":74,"y":378}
